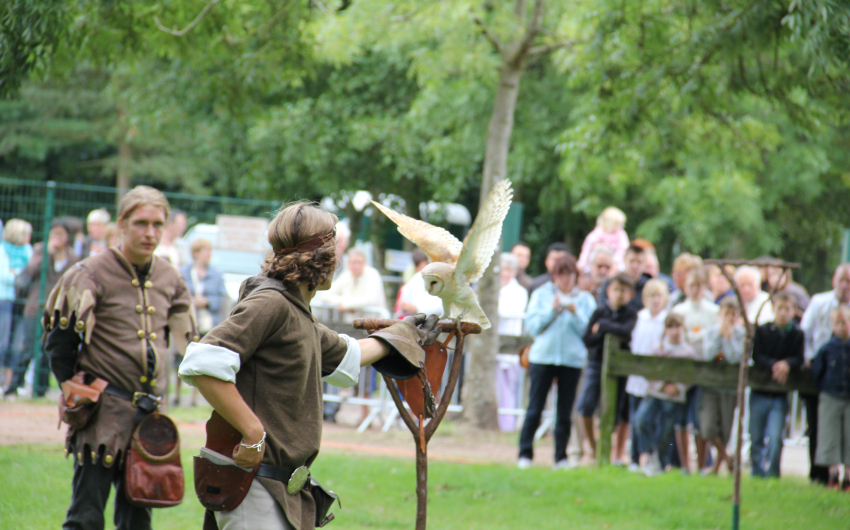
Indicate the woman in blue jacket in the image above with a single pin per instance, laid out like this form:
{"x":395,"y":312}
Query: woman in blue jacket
{"x":557,"y":316}
{"x":206,"y":284}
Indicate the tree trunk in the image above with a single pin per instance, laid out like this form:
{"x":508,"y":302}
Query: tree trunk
{"x":479,"y":397}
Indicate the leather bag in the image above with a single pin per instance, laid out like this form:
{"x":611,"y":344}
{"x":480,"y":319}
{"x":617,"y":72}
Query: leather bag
{"x":79,"y":402}
{"x":153,"y":474}
{"x":221,"y":487}
{"x":324,"y":499}
{"x":523,"y":355}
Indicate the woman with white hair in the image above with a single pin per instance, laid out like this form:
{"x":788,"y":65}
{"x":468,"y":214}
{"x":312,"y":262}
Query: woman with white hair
{"x":96,"y":223}
{"x":15,"y":252}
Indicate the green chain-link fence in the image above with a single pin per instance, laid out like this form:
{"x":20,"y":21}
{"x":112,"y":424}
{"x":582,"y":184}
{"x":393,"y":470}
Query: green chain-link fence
{"x":40,"y":202}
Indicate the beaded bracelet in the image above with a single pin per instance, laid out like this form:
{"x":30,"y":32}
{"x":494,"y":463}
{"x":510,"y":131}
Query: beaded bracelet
{"x":258,"y":446}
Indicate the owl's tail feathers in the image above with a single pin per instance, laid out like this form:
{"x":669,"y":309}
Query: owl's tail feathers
{"x":472,"y":313}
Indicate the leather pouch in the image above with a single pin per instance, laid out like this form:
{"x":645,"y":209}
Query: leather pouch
{"x":79,"y":402}
{"x":324,"y":499}
{"x":153,"y":474}
{"x":523,"y":356}
{"x":221,"y":486}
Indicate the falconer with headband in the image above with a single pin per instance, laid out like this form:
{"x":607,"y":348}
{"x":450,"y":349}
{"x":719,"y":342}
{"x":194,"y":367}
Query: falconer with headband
{"x":307,"y":246}
{"x":407,"y":357}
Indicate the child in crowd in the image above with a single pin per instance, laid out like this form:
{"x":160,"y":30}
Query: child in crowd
{"x":609,"y":233}
{"x":723,"y":342}
{"x":831,"y":373}
{"x":778,"y":346}
{"x":682,"y":265}
{"x":700,"y":314}
{"x":718,"y":285}
{"x":645,"y":339}
{"x":618,"y":319}
{"x":665,"y":401}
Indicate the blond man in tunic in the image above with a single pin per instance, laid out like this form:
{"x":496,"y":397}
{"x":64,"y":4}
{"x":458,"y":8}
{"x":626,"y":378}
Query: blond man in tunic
{"x":110,"y":316}
{"x":281,"y":355}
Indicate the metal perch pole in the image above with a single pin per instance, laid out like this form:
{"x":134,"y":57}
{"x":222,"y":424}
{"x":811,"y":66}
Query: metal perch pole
{"x":745,"y":360}
{"x":421,"y":432}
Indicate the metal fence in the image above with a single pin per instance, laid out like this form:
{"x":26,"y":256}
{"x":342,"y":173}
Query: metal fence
{"x":40,"y":202}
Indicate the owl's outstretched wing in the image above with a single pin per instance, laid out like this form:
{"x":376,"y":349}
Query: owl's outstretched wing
{"x":434,"y":241}
{"x":483,"y":238}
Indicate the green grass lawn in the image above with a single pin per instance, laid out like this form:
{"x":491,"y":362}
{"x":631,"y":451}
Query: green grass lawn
{"x":379,"y":493}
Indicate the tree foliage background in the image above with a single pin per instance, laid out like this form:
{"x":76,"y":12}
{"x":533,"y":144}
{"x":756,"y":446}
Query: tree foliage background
{"x":719,"y":127}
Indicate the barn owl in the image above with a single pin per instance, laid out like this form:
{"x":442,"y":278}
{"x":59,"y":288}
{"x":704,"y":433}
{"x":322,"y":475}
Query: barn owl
{"x":454,"y":265}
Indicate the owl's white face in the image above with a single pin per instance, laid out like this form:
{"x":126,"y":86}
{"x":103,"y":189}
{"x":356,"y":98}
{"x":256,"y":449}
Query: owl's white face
{"x":438,"y":278}
{"x":433,"y":285}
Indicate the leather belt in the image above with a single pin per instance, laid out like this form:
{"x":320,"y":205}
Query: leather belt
{"x":293,"y":480}
{"x":141,"y":400}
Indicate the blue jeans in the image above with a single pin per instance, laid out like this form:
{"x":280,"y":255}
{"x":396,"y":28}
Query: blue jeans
{"x":7,"y":356}
{"x":634,"y":403}
{"x":655,"y":421}
{"x":767,"y":419}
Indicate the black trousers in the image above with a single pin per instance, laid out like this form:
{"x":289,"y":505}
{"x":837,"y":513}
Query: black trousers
{"x":541,"y":377}
{"x":90,"y":491}
{"x":816,"y":473}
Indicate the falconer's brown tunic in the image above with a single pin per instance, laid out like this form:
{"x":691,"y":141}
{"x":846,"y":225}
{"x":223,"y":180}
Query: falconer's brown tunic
{"x":284,"y":354}
{"x":118,"y":316}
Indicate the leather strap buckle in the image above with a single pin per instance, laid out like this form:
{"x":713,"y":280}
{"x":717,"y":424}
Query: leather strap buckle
{"x":148,"y":402}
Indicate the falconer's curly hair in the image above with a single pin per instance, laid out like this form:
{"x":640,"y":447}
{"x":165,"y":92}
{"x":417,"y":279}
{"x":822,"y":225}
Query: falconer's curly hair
{"x":296,"y":223}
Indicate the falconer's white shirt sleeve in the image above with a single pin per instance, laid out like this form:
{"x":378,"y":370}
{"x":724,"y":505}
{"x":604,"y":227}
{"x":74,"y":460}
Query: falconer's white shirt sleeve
{"x":348,"y":372}
{"x":206,"y":359}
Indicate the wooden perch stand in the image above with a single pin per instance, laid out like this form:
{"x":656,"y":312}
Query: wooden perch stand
{"x":419,"y":429}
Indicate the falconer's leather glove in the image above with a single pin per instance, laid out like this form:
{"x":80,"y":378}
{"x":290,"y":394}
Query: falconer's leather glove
{"x":405,"y":339}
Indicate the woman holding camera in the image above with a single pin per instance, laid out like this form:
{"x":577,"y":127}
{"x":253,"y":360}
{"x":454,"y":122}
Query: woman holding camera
{"x":557,"y":316}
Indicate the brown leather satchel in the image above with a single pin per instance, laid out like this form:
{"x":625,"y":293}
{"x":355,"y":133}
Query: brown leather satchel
{"x":221,"y":487}
{"x":153,"y":474}
{"x":79,"y":402}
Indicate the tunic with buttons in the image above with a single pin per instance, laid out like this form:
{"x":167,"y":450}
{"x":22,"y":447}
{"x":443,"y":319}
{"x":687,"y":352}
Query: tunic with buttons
{"x":119,"y":316}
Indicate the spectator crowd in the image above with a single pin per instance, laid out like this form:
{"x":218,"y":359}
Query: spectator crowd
{"x":614,"y":288}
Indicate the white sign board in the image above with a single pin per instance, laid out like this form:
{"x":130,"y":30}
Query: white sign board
{"x":241,"y":234}
{"x":397,"y":260}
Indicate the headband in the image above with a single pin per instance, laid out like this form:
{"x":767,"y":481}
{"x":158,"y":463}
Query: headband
{"x":307,"y":246}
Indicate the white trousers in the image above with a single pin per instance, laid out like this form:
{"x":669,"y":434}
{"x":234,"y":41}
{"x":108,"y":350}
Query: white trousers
{"x":259,"y":511}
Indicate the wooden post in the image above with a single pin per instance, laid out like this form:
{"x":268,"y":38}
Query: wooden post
{"x":745,"y":361}
{"x":421,"y":483}
{"x":422,"y":433}
{"x":607,"y":406}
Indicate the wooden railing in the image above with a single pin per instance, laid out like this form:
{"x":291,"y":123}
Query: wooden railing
{"x":619,"y":363}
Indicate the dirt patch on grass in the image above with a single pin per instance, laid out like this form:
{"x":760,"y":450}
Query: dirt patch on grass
{"x":26,"y":422}
{"x":35,"y":422}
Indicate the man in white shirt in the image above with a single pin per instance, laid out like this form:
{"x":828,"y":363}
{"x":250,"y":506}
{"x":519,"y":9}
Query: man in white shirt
{"x":512,"y":297}
{"x":360,"y":288}
{"x":413,"y":297}
{"x":818,"y":329}
{"x":512,"y":301}
{"x":748,"y":280}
